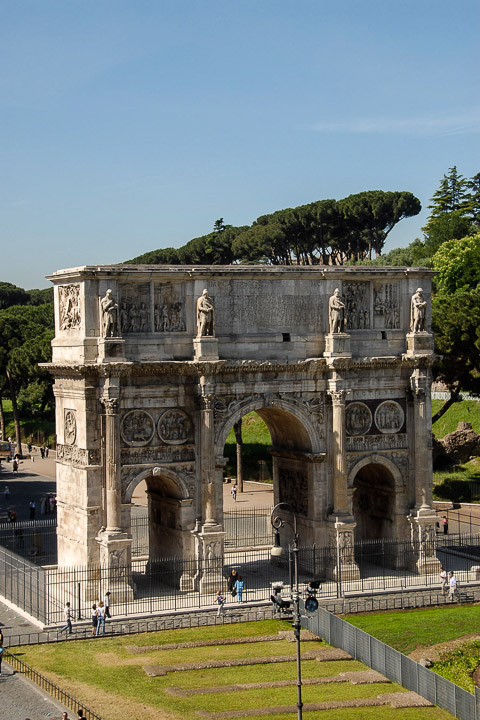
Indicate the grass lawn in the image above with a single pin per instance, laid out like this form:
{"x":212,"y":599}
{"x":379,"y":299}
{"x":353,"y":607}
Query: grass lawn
{"x":408,"y":629}
{"x":463,"y":411}
{"x":108,"y":676}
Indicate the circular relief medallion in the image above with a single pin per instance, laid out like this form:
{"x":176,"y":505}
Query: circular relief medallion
{"x":137,"y":428}
{"x":174,"y":427}
{"x":358,"y":418}
{"x":389,"y":417}
{"x":69,"y":427}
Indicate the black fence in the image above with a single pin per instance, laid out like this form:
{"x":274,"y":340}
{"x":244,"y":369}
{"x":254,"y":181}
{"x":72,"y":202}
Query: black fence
{"x":151,"y":585}
{"x":54,"y":690}
{"x":35,"y":540}
{"x":247,"y":528}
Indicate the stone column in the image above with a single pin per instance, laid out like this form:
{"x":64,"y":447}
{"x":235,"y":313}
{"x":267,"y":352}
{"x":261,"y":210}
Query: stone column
{"x":342,"y":524}
{"x":210,"y":534}
{"x":115,"y":544}
{"x":422,"y":518}
{"x":339,"y":449}
{"x":112,"y":465}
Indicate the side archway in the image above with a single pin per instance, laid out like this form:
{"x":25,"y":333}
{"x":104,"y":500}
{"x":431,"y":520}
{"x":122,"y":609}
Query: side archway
{"x":170,"y":513}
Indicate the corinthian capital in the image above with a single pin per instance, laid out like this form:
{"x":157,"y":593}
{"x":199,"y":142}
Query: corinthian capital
{"x":110,"y":405}
{"x":338,"y":396}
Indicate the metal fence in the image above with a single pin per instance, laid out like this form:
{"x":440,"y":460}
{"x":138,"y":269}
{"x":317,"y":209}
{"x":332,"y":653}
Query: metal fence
{"x":152,"y":585}
{"x":248,"y":528}
{"x":35,"y":540}
{"x":394,"y":665}
{"x":52,"y":689}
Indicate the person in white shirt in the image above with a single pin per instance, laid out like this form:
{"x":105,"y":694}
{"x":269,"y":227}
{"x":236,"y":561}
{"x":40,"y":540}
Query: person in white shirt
{"x":453,"y":584}
{"x":443,"y":579}
{"x":100,"y":618}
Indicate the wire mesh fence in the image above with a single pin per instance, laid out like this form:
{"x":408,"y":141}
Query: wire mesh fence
{"x":394,"y":665}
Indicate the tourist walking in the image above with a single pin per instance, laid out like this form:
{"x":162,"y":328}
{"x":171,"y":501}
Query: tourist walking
{"x":239,"y":587}
{"x":106,"y":602}
{"x":15,"y":465}
{"x":67,"y":613}
{"x":32,"y":509}
{"x":234,"y":493}
{"x":221,"y":599}
{"x":6,"y":493}
{"x":445,"y":525}
{"x":453,"y":585}
{"x":101,"y":618}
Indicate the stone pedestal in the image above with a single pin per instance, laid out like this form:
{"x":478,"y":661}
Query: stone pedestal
{"x":424,"y":541}
{"x":205,"y":348}
{"x":420,"y":343}
{"x":115,"y":566}
{"x":210,"y":553}
{"x":111,"y":350}
{"x":337,"y":345}
{"x":341,"y":535}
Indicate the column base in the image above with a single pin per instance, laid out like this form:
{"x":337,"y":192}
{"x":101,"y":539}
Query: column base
{"x":205,"y":348}
{"x":424,"y":541}
{"x":337,"y":345}
{"x":210,"y":577}
{"x":341,"y":534}
{"x":115,"y":572}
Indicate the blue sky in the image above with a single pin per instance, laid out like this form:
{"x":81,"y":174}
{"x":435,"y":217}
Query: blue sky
{"x":133,"y":125}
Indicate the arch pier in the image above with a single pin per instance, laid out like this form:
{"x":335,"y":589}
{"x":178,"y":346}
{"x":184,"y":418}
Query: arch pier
{"x":327,"y":357}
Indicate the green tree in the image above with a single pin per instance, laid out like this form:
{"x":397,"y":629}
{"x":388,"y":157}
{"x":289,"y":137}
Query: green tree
{"x":458,"y":264}
{"x":456,"y":324}
{"x":451,"y":208}
{"x":373,"y":214}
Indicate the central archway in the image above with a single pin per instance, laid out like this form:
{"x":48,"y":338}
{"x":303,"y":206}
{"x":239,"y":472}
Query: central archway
{"x":373,"y":503}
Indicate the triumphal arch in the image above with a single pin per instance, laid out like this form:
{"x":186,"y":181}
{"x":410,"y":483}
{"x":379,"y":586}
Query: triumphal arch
{"x":153,"y":365}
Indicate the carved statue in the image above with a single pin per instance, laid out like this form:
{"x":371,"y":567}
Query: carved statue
{"x":336,"y":312}
{"x":418,"y":309}
{"x":109,"y":315}
{"x":205,"y":316}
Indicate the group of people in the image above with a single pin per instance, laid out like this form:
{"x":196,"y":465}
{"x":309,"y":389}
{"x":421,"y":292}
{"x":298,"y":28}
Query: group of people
{"x":80,"y":715}
{"x":236,"y":588}
{"x":449,"y":584}
{"x":100,"y":612}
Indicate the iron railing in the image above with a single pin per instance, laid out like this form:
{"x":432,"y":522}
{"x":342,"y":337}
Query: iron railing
{"x":154,"y":585}
{"x":45,"y":684}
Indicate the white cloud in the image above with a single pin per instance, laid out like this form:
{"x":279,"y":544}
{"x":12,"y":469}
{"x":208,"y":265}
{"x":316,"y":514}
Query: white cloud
{"x":440,"y":125}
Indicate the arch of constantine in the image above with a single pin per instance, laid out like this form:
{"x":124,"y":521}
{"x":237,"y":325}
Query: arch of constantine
{"x":153,"y":365}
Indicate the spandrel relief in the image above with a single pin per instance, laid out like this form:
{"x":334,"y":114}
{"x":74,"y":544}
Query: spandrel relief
{"x":137,"y":428}
{"x":174,"y":427}
{"x":386,"y":306}
{"x":134,"y":309}
{"x":69,"y":306}
{"x":357,"y":302}
{"x":358,"y":419}
{"x":389,"y":417}
{"x":169,"y":310}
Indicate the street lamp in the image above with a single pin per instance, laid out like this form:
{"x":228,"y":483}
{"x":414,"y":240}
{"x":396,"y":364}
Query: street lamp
{"x":277,"y":550}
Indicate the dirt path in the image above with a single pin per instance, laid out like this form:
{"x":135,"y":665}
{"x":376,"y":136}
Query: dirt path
{"x":433,"y":652}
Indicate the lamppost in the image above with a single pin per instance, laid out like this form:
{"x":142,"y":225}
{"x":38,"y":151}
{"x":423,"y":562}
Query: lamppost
{"x":277,"y":550}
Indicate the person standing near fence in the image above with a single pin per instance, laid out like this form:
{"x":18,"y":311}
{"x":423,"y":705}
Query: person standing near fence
{"x":101,"y":618}
{"x":234,"y":493}
{"x":67,"y":613}
{"x":443,"y":579}
{"x":445,"y":525}
{"x":94,"y":619}
{"x":240,"y":587}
